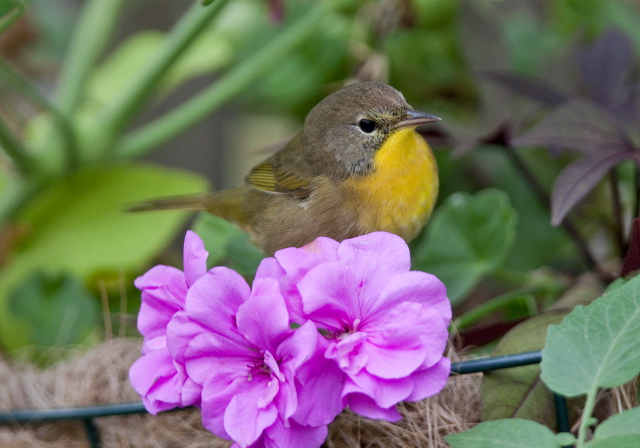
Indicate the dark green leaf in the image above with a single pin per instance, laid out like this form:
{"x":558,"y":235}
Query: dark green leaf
{"x":57,"y":308}
{"x":508,"y":433}
{"x":595,"y":346}
{"x":467,"y":238}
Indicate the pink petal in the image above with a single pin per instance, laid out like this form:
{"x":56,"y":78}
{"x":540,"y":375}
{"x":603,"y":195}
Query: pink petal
{"x":210,"y":354}
{"x":419,"y":287}
{"x":270,"y":268}
{"x":164,"y":284}
{"x":320,"y":395}
{"x":330,"y":296}
{"x":153,"y":376}
{"x":404,"y":338}
{"x":366,"y":406}
{"x":430,"y":381}
{"x":374,"y":260}
{"x":195,"y":258}
{"x":263,"y":319}
{"x":294,"y":435}
{"x":216,"y":396}
{"x":214,"y":299}
{"x":348,"y":353}
{"x":384,"y":392}
{"x":244,"y":420}
{"x":298,"y":261}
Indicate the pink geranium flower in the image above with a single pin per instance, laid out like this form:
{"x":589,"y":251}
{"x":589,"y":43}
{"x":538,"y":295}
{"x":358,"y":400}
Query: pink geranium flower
{"x":156,"y":376}
{"x":386,"y":325}
{"x":259,"y":378}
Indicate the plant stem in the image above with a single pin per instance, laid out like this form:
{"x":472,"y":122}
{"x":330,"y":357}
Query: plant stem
{"x":10,"y":18}
{"x":583,"y":248}
{"x":495,"y":304}
{"x":90,"y":37}
{"x":22,"y":160}
{"x":234,"y":82}
{"x":586,"y":416}
{"x":194,"y":21}
{"x":64,"y":128}
{"x":616,"y":204}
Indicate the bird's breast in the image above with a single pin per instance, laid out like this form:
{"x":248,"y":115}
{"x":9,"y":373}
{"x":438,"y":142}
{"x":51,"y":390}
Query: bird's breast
{"x":400,"y":192}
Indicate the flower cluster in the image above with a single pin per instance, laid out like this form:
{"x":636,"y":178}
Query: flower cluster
{"x":324,"y":326}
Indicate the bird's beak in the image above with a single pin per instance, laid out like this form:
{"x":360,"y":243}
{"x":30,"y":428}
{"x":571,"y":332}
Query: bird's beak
{"x":415,"y":118}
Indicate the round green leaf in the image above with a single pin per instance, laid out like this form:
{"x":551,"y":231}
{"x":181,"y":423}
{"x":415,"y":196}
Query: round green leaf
{"x":507,"y":433}
{"x":626,"y":422}
{"x":618,"y":441}
{"x":467,"y":238}
{"x":78,"y":226}
{"x":595,"y":346}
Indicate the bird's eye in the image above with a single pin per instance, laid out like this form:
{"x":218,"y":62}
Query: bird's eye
{"x":367,"y":126}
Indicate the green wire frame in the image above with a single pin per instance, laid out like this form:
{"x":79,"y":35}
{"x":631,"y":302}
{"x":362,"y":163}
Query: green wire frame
{"x":87,"y":414}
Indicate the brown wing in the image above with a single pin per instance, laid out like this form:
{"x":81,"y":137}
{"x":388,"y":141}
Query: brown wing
{"x":285,"y":172}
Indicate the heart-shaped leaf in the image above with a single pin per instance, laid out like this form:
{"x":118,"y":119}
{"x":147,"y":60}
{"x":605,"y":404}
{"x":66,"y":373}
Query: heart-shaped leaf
{"x":595,"y":346}
{"x":625,"y":422}
{"x":507,"y":433}
{"x":467,"y":238}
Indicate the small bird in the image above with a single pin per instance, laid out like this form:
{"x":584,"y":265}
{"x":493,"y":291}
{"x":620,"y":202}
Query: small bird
{"x":357,"y":166}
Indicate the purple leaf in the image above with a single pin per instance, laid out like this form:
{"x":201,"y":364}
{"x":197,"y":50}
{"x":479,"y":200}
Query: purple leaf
{"x":606,"y":65}
{"x":579,"y":178}
{"x":534,"y":88}
{"x":577,"y":124}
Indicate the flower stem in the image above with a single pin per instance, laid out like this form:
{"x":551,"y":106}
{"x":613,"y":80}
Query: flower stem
{"x":90,"y":37}
{"x":234,"y":82}
{"x":194,"y":21}
{"x":586,"y":416}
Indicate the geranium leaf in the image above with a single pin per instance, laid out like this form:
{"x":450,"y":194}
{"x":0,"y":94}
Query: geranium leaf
{"x":595,"y":346}
{"x":577,"y":124}
{"x":518,"y":392}
{"x":507,"y":433}
{"x":606,"y":65}
{"x":467,"y":238}
{"x":617,"y":441}
{"x":626,"y":422}
{"x":632,"y":257}
{"x":580,"y":177}
{"x":58,"y":308}
{"x":531,"y":87}
{"x":78,"y":226}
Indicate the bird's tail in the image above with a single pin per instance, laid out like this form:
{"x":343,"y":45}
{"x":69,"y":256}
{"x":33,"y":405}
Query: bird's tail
{"x":191,"y":202}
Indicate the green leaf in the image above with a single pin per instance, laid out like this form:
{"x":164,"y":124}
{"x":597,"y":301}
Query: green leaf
{"x":467,"y":238}
{"x":58,"y":309}
{"x":617,"y":441}
{"x":227,"y":244}
{"x":508,"y":433}
{"x":595,"y":346}
{"x":207,"y":54}
{"x":518,"y":392}
{"x":78,"y":226}
{"x":626,"y":422}
{"x":565,"y":439}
